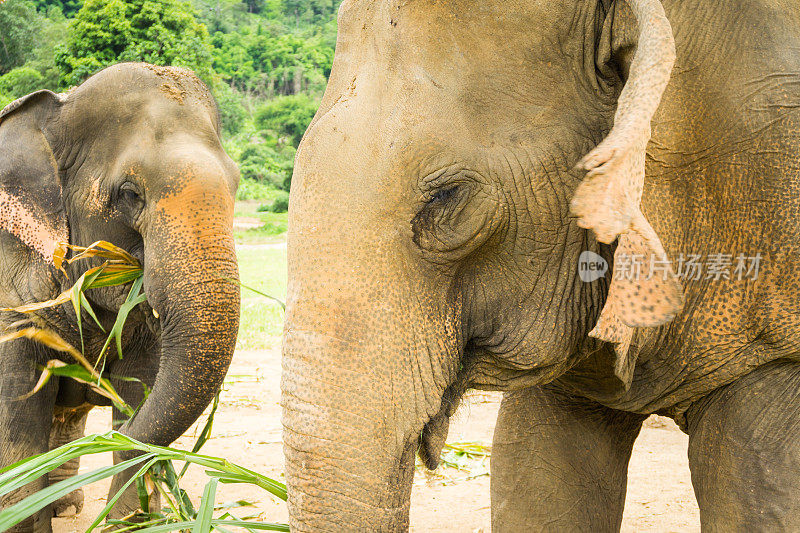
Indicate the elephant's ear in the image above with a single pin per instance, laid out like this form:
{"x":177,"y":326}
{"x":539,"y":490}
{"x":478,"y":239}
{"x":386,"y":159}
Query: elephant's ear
{"x":608,"y":200}
{"x":31,"y":205}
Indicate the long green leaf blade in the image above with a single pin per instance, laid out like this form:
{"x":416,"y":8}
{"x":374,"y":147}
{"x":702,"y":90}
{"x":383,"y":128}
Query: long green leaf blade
{"x":206,"y":511}
{"x":18,"y":512}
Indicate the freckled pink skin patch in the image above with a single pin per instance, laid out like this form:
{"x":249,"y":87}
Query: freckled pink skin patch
{"x":28,"y":227}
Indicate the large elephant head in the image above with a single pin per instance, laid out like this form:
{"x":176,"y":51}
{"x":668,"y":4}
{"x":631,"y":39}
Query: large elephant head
{"x":432,"y":241}
{"x":133,"y":156}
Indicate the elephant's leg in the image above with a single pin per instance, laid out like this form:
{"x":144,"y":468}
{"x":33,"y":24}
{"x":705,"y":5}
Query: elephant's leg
{"x":24,"y":425}
{"x":744,"y":452}
{"x":68,"y":425}
{"x":559,"y":463}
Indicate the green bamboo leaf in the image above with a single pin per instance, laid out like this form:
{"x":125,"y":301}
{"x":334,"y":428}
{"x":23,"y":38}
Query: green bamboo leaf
{"x":75,"y":298}
{"x":206,"y":511}
{"x":251,"y":289}
{"x":117,"y":275}
{"x":102,"y":249}
{"x":44,"y":378}
{"x":11,"y":516}
{"x":175,"y":526}
{"x":107,"y":509}
{"x":251,"y":478}
{"x":88,"y":307}
{"x":205,"y":434}
{"x":234,"y":505}
{"x":23,"y":472}
{"x":133,"y":299}
{"x":172,"y":480}
{"x":141,"y":492}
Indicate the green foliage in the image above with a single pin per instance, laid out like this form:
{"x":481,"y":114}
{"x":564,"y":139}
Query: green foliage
{"x":231,"y":109}
{"x":68,"y":7}
{"x":155,"y":464}
{"x":5,"y":100}
{"x":19,"y":24}
{"x":255,"y":61}
{"x":287,"y":116}
{"x":20,"y":81}
{"x":279,"y":204}
{"x":254,"y":190}
{"x":52,"y":36}
{"x":310,"y":11}
{"x":109,"y":31}
{"x":267,"y":163}
{"x":266,"y":61}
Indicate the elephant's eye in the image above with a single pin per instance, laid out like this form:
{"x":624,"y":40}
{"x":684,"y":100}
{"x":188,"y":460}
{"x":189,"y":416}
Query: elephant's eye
{"x":443,"y":195}
{"x":129,"y":193}
{"x":456,"y":218}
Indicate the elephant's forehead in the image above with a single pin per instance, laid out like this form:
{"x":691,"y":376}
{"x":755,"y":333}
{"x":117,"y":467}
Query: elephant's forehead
{"x":470,"y":68}
{"x":120,"y":102}
{"x":460,"y":31}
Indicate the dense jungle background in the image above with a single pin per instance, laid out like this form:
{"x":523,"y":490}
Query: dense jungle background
{"x":267,"y":62}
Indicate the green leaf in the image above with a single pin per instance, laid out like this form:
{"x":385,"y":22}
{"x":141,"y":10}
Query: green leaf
{"x":265,"y":295}
{"x":205,"y":434}
{"x":139,"y":476}
{"x":206,"y":511}
{"x":175,"y":526}
{"x":88,"y":307}
{"x":141,"y":492}
{"x":75,"y":298}
{"x":133,"y":299}
{"x":18,"y":512}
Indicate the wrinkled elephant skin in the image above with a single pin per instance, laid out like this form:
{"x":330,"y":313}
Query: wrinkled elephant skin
{"x":466,"y":155}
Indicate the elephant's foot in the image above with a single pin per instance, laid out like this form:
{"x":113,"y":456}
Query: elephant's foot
{"x":69,"y":505}
{"x":68,"y":425}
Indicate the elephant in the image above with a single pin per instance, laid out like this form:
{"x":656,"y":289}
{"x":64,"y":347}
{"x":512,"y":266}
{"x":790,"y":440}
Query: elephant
{"x":591,"y":206}
{"x":131,"y":156}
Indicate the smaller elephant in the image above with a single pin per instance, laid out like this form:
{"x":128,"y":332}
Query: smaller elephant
{"x":132,"y":156}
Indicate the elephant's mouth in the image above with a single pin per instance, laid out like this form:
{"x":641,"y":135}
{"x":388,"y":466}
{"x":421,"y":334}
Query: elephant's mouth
{"x":152,"y":319}
{"x":432,"y":440}
{"x":434,"y":433}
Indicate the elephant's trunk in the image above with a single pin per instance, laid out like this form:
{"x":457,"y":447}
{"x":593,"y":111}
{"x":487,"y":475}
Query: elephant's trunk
{"x":361,"y":378}
{"x":191,"y":280}
{"x":349,"y":463}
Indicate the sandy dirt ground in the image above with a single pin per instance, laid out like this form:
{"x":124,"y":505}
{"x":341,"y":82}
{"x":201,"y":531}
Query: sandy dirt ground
{"x":247,"y":431}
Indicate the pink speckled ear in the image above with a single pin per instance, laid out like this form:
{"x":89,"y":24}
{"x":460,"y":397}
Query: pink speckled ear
{"x":31,"y":206}
{"x":644,"y":289}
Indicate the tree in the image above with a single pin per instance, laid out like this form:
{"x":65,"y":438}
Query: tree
{"x":68,"y":7}
{"x":19,"y":24}
{"x":52,"y":36}
{"x":163,"y":32}
{"x":232,"y":112}
{"x":20,"y":81}
{"x":221,"y":15}
{"x":288,"y":116}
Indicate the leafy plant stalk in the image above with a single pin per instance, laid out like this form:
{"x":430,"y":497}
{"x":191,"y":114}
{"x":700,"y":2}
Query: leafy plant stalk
{"x":156,"y":471}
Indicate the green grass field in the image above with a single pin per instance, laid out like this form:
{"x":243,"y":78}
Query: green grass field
{"x":264,"y":269}
{"x":272,"y":229}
